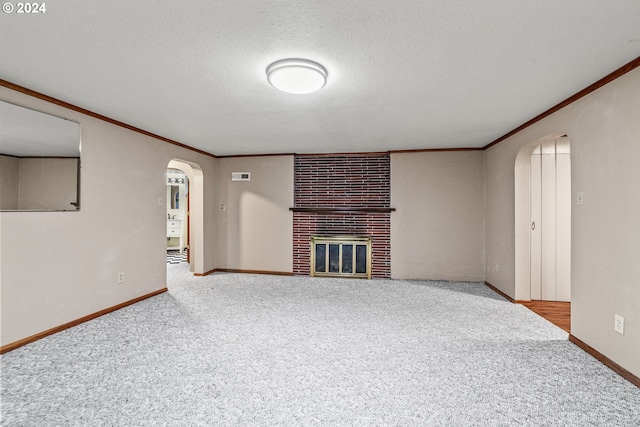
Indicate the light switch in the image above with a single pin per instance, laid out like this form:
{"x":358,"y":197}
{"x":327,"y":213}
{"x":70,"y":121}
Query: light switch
{"x":580,"y":197}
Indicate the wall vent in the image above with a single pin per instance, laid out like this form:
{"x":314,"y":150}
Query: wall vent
{"x":240,"y":176}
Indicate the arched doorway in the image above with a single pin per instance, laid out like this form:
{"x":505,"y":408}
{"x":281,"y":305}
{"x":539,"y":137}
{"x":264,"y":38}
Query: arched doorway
{"x":543,"y":220}
{"x":195,"y":218}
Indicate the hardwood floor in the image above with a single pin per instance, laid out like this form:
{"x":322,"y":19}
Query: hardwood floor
{"x":558,"y":313}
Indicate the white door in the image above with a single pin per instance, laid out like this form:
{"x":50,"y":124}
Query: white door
{"x":550,"y":221}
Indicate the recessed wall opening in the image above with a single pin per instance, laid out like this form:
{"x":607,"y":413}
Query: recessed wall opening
{"x":177,"y":212}
{"x":543,"y":220}
{"x":191,"y":203}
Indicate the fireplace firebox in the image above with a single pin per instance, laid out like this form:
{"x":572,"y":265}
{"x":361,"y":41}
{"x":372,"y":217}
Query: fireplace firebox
{"x":341,"y":256}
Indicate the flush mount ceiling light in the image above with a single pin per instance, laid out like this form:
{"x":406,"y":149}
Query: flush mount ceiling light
{"x":296,"y":75}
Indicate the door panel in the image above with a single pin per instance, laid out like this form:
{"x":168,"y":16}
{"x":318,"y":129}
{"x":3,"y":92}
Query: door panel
{"x":563,"y":227}
{"x":550,"y":217}
{"x":536,"y":226}
{"x":548,"y":226}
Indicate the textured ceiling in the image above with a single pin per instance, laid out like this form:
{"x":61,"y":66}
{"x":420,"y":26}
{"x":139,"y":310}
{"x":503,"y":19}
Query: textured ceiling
{"x":402,"y":74}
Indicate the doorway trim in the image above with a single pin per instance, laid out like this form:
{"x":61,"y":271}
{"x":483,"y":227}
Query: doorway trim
{"x":196,"y":212}
{"x":522,"y":197}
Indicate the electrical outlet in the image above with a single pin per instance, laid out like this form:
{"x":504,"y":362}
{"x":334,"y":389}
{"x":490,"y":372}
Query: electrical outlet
{"x":120,"y":278}
{"x":497,"y":267}
{"x":618,"y":324}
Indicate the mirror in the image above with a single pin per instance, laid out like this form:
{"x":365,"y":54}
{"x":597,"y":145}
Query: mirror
{"x":177,"y":189}
{"x":173,"y":196}
{"x":39,"y":161}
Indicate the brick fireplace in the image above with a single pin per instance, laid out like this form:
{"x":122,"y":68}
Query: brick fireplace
{"x":342,"y":195}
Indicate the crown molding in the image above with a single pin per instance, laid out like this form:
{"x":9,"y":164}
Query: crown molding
{"x":86,"y":112}
{"x":573,"y":98}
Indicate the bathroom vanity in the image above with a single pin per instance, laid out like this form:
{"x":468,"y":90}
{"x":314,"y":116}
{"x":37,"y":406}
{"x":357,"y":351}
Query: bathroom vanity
{"x":174,"y":229}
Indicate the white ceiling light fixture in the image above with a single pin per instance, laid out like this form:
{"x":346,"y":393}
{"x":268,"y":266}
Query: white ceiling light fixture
{"x":297,"y":76}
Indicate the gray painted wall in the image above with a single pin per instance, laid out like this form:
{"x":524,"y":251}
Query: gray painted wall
{"x":255,"y":230}
{"x":60,"y":266}
{"x":437,"y":230}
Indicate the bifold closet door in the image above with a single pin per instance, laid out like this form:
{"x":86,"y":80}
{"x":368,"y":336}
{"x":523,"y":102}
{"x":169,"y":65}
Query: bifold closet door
{"x":550,"y":215}
{"x":548,"y":222}
{"x":536,"y":226}
{"x":563,"y":226}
